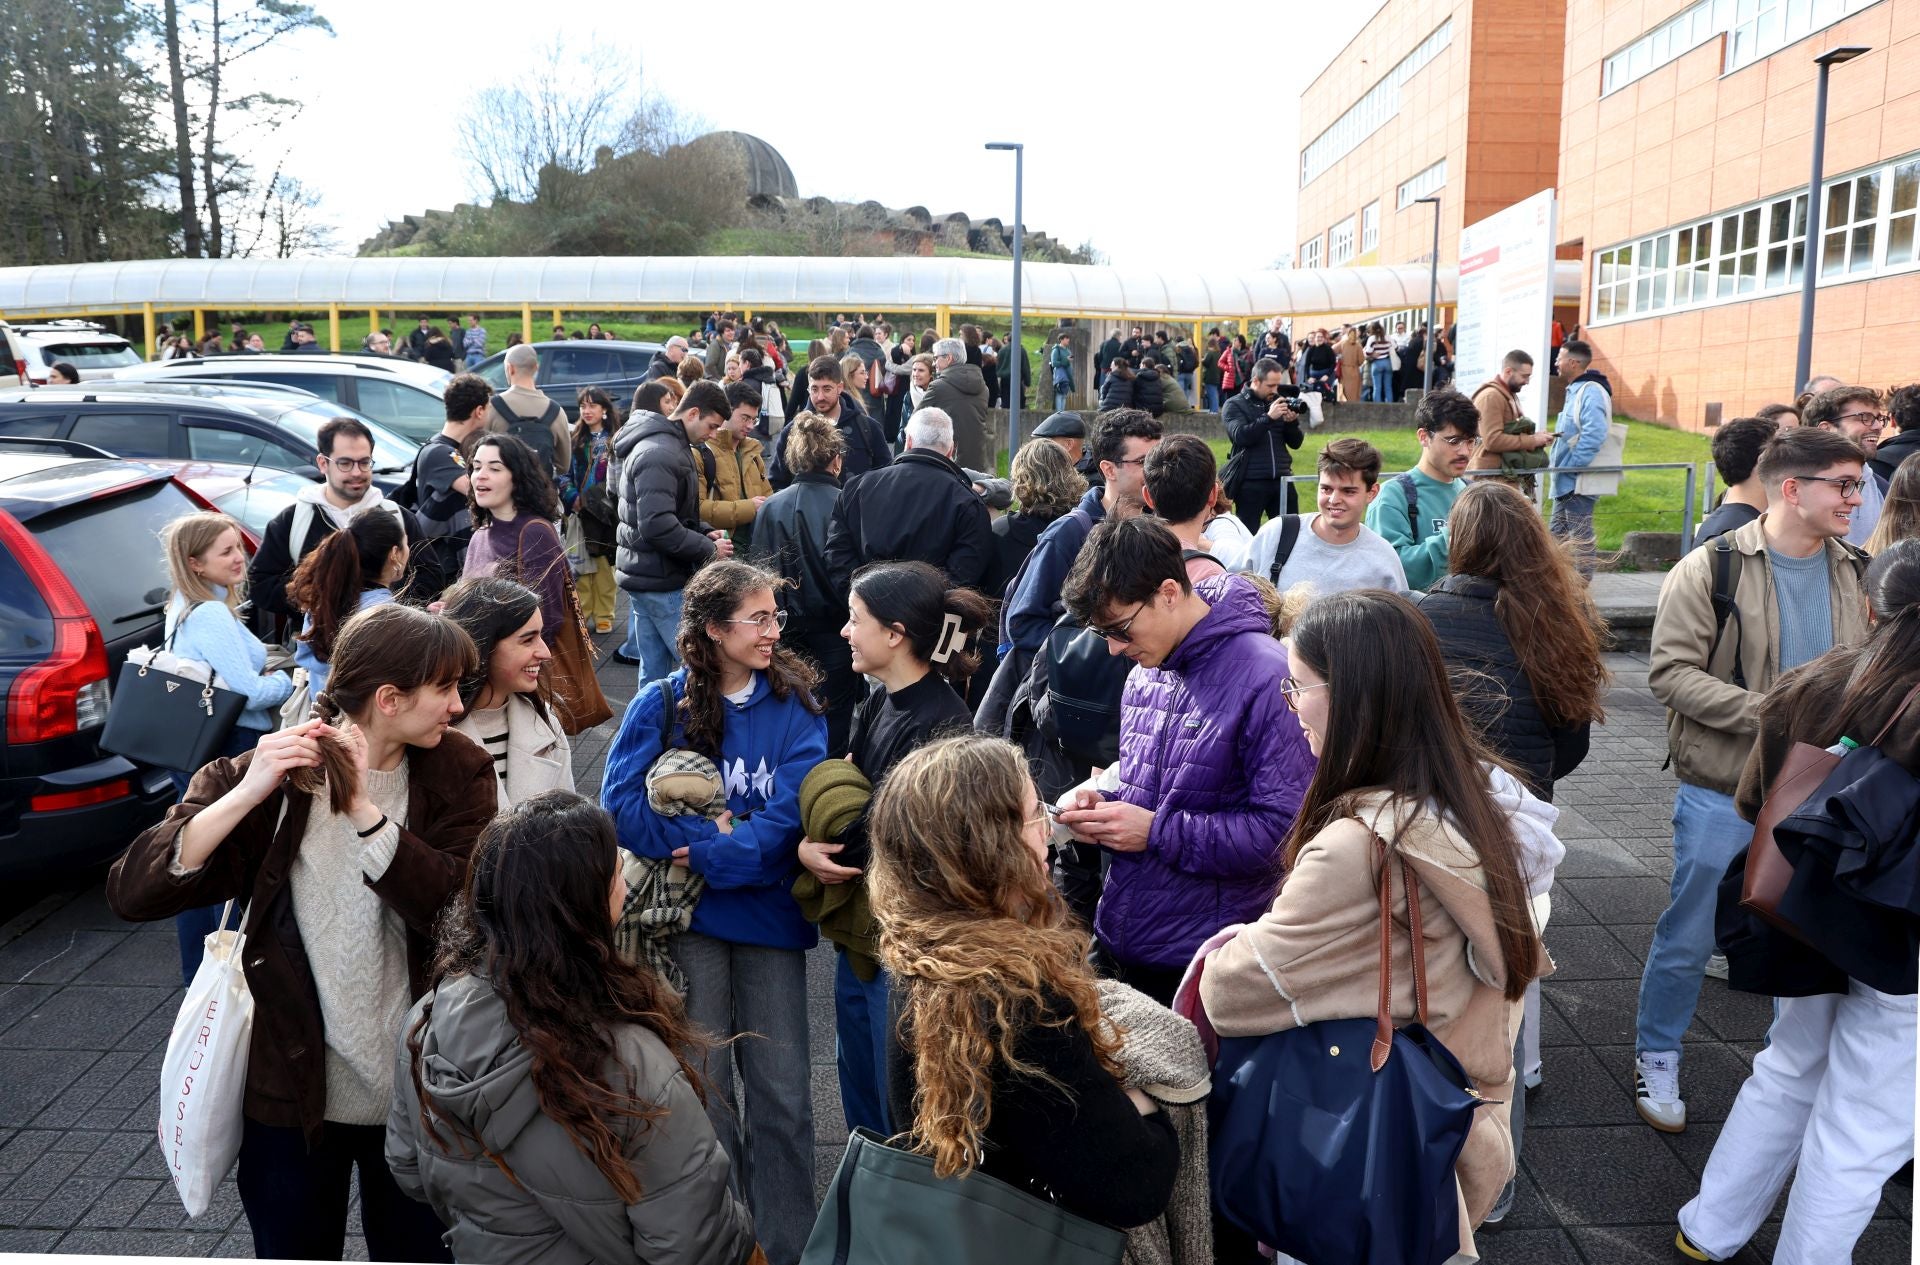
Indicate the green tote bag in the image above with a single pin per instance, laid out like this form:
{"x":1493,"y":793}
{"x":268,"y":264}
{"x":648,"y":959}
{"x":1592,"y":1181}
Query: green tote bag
{"x":886,"y":1207}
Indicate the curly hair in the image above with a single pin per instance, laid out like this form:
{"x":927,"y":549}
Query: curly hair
{"x":1044,"y":481}
{"x":712,"y":597}
{"x":532,"y":491}
{"x":978,"y":941}
{"x":813,"y":444}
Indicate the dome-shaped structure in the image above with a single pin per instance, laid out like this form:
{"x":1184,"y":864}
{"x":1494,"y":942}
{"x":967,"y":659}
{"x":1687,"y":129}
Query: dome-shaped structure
{"x":767,"y":172}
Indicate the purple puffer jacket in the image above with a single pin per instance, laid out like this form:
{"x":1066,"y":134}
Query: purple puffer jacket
{"x":1207,"y":742}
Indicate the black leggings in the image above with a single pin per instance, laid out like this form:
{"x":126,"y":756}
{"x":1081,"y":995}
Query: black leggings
{"x":1262,"y":498}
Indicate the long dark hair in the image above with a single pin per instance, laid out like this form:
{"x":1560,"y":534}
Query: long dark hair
{"x":328,"y":582}
{"x":716,"y":591}
{"x":533,"y":922}
{"x":914,"y":597}
{"x":1543,"y":606}
{"x":1392,"y":725}
{"x":491,"y":609}
{"x":396,"y":645}
{"x":1890,"y":663}
{"x":532,"y":487}
{"x":607,"y":427}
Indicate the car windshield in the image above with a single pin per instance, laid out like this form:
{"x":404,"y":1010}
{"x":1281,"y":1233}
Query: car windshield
{"x":391,"y":452}
{"x":92,"y":355}
{"x":256,"y":502}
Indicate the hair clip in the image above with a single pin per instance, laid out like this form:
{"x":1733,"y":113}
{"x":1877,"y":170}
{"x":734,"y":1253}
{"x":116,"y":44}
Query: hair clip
{"x":951,"y":638}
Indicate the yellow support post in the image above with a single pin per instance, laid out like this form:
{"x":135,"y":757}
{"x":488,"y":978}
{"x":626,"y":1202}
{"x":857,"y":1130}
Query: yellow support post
{"x":373,"y":321}
{"x":526,"y":322}
{"x":199,"y":326}
{"x":556,"y":319}
{"x":146,"y":315}
{"x":943,"y":321}
{"x":333,"y":327}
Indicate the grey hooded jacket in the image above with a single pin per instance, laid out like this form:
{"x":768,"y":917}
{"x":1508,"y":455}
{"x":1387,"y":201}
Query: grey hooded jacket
{"x":662,"y":540}
{"x":557,"y":1209}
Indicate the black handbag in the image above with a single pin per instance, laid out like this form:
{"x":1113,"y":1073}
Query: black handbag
{"x":167,"y":720}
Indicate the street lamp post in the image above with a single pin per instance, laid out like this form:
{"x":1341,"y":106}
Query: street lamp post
{"x":1014,"y":360}
{"x":1433,"y":296}
{"x":1809,"y":272}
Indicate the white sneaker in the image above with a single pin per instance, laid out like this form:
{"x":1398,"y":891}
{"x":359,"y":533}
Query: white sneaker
{"x":1717,"y":966}
{"x":1656,"y":1090}
{"x":1533,"y":1079}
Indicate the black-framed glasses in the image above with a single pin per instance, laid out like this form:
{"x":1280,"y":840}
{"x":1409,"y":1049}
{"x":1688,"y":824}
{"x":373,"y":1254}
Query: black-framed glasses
{"x":1872,"y":421}
{"x":350,"y":463}
{"x":1129,"y":461}
{"x":1847,"y":486}
{"x":765,"y":621}
{"x":1292,"y":687}
{"x":1120,"y":632}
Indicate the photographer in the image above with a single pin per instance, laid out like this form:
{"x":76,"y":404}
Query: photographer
{"x":1264,"y":426}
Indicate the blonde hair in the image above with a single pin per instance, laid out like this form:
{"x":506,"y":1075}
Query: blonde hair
{"x":676,"y":391}
{"x":813,"y":443}
{"x":980,"y":945}
{"x":853,"y":373}
{"x":1044,"y":480}
{"x":187,"y":538}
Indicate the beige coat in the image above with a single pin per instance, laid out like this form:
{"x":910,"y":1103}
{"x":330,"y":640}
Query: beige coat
{"x":539,"y":758}
{"x":1496,"y":406}
{"x":1315,"y":955}
{"x":1351,"y":356}
{"x":1710,"y":721}
{"x":739,"y":475}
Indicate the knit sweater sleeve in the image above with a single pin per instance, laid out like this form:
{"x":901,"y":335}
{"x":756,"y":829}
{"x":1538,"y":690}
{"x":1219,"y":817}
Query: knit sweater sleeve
{"x":543,"y":566}
{"x":215,"y":635}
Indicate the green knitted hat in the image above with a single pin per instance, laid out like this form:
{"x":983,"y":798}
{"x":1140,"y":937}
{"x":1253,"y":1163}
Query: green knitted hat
{"x":831,"y":799}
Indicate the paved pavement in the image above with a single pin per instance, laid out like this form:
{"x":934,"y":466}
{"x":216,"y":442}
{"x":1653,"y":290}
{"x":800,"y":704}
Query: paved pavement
{"x":86,"y":1003}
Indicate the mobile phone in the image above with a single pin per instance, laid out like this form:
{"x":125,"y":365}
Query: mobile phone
{"x":1053,"y":810}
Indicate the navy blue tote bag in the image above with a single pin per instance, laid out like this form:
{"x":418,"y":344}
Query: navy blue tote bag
{"x":1336,"y":1142}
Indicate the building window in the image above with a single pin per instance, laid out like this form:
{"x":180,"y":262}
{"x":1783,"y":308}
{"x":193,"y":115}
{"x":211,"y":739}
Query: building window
{"x":1370,"y":227}
{"x":1372,"y":111}
{"x":1421,"y":185}
{"x":1310,"y":253}
{"x":1340,"y":243}
{"x":1754,"y":29}
{"x":1868,"y":229}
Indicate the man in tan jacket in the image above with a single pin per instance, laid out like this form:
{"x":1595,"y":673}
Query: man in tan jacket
{"x":739,"y":466}
{"x":1790,"y":590}
{"x":1498,"y":402}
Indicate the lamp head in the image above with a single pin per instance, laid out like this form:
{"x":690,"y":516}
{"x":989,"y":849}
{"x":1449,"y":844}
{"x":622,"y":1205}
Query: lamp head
{"x":1433,"y":198}
{"x":1005,"y":145}
{"x":1845,"y":53}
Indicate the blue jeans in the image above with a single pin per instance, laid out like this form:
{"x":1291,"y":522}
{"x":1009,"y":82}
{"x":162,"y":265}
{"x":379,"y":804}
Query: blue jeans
{"x":1382,"y":371}
{"x":860,"y":1047}
{"x":1186,"y":384}
{"x":474,"y":358}
{"x":1573,"y":521}
{"x":1213,"y":397}
{"x":194,"y":926}
{"x":653,"y":620}
{"x":1060,"y":399}
{"x":1707,"y":834}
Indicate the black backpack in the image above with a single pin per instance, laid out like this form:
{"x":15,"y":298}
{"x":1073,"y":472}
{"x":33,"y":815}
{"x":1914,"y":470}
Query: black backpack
{"x":1289,"y":536}
{"x":1412,"y":490}
{"x":535,"y":434}
{"x":1084,"y":685}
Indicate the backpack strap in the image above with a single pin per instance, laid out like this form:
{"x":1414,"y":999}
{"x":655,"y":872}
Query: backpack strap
{"x":712,"y":468}
{"x":1289,"y":536}
{"x":667,"y":706}
{"x":1726,"y":581}
{"x":1411,"y":491}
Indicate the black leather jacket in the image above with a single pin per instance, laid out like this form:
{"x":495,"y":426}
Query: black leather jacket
{"x":790,"y":537}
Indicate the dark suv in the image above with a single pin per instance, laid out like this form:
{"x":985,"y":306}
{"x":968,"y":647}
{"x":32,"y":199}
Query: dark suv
{"x":82,"y":581}
{"x":274,"y":427}
{"x":566,"y":365}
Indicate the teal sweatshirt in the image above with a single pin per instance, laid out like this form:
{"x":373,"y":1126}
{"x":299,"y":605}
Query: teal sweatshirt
{"x":1422,"y":546}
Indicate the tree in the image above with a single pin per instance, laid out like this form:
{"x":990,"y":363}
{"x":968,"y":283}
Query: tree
{"x":285,"y":223}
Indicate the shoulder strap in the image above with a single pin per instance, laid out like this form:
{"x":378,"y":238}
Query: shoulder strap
{"x":1411,"y":491}
{"x":1383,"y":1017}
{"x":507,"y":414}
{"x":666,"y":713}
{"x":1897,"y":713}
{"x":1289,"y":536}
{"x":711,"y":466}
{"x":1726,"y":581}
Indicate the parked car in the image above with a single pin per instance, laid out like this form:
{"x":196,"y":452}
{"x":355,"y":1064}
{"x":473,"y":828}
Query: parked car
{"x":31,"y":350}
{"x":408,"y":396}
{"x":268,"y":425}
{"x":251,"y":495}
{"x":566,"y":365}
{"x":82,"y":581}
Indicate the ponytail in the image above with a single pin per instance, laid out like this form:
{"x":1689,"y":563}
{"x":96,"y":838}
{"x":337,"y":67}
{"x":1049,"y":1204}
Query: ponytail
{"x":941,"y":624}
{"x":328,"y":582}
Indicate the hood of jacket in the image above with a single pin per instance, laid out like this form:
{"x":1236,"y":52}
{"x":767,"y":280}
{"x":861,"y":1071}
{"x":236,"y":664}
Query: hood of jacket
{"x":315,"y":494}
{"x":1893,"y":450}
{"x":1594,"y":375}
{"x":1235,"y":608}
{"x":473,"y":1065}
{"x":867,"y":349}
{"x":644,"y":424}
{"x":965,"y":379}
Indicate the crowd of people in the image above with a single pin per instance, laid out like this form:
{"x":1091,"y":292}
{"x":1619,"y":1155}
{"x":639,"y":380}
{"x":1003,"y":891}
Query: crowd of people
{"x":1085,"y":776}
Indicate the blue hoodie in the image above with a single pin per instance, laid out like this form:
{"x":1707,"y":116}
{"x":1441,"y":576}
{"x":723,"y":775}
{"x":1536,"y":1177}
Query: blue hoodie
{"x":767,"y":746}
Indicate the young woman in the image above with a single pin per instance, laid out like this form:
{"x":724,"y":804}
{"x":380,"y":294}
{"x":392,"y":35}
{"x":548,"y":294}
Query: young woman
{"x":207,"y":571}
{"x":1350,"y":357}
{"x":439,"y":351}
{"x":1900,"y":511}
{"x":1229,"y":363}
{"x":344,"y":836}
{"x":790,"y":539}
{"x":514,"y":508}
{"x":546,"y":1103}
{"x":1045,"y":486}
{"x":507,"y":701}
{"x":1000,"y":1059}
{"x":919,"y":378}
{"x":350,"y":570}
{"x":1830,"y":1100}
{"x":596,"y":501}
{"x":1116,"y":391}
{"x":745,"y":702}
{"x":593,"y":331}
{"x":909,"y":632}
{"x":1364,"y":663}
{"x":1210,"y":374}
{"x":1379,"y":354}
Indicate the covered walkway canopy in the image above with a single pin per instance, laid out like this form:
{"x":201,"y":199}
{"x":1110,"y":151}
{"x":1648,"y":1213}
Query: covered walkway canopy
{"x":938,"y":286}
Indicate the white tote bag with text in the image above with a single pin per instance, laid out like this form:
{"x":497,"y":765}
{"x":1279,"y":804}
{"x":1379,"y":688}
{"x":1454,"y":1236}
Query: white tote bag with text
{"x":204,"y":1076}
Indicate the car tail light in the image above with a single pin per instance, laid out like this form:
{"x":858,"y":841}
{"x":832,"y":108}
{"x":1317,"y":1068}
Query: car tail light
{"x":247,"y":537}
{"x":66,"y":691}
{"x":106,"y":792}
{"x":20,"y":368}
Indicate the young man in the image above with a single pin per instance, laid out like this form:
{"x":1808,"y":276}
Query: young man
{"x":1333,"y":550}
{"x":440,"y":485}
{"x":1264,"y":430}
{"x":1177,"y":482}
{"x":738,"y":464}
{"x":474,"y":340}
{"x":1796,"y":592}
{"x":1212,"y":765}
{"x":1498,"y":402}
{"x":526,"y":412}
{"x":1903,"y":406}
{"x":1856,"y":413}
{"x":1411,"y":510}
{"x":1737,"y":446}
{"x":1585,"y":417}
{"x":1060,"y":370}
{"x":827,"y":395}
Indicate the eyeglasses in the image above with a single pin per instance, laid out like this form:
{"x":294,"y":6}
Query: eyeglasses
{"x":1129,"y":461}
{"x":765,"y":621}
{"x":1119,"y":632}
{"x":1291,"y":688}
{"x":350,"y":464}
{"x":1872,"y":421}
{"x":1848,"y":486}
{"x":1457,"y":441}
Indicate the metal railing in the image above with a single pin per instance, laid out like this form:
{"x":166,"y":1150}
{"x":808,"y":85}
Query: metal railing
{"x":1690,"y":498}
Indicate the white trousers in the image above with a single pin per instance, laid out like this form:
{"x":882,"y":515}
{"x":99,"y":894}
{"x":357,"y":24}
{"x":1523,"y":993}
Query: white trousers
{"x":1833,"y":1091}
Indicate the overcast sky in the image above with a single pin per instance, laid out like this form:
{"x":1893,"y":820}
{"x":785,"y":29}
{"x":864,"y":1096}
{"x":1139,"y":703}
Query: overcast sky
{"x":1170,"y":139}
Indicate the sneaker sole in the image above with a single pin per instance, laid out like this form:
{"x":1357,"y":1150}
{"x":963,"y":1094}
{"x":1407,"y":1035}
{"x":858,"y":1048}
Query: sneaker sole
{"x":1687,"y":1249}
{"x":1661,"y":1125}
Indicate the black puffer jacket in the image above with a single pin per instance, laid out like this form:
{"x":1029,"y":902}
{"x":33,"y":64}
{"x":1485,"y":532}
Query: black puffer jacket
{"x":662,"y":539}
{"x":1148,"y":391}
{"x":1265,"y":441}
{"x":1498,"y":700}
{"x":1116,"y":392}
{"x":1893,"y":450}
{"x":790,"y":537}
